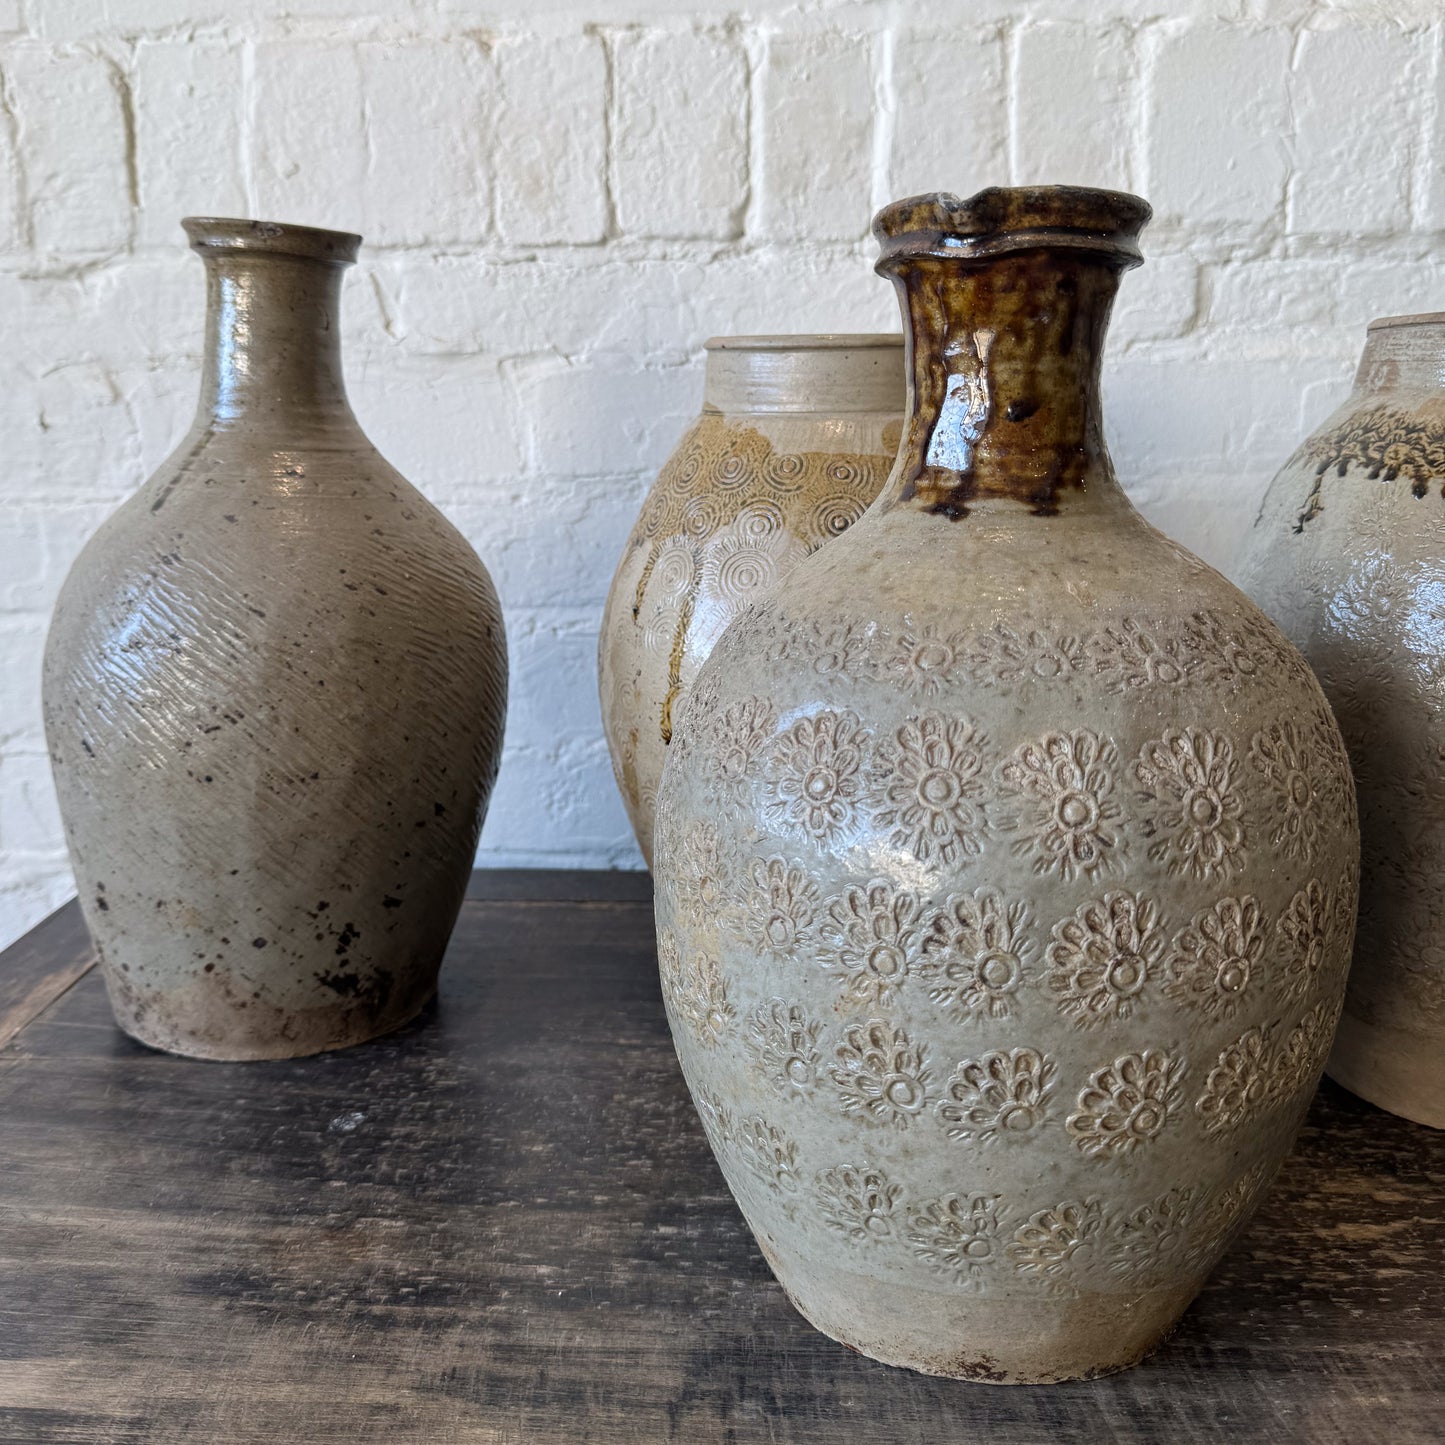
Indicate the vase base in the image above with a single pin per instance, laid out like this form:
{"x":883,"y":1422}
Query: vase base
{"x":272,"y":1033}
{"x":1401,"y":1073}
{"x":993,"y":1341}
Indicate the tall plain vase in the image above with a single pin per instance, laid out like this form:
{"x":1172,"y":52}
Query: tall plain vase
{"x":274,"y":692}
{"x":997,"y":994}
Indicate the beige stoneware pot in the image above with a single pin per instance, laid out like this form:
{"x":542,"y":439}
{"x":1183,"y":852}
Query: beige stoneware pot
{"x":796,"y":436}
{"x":274,"y":693}
{"x":1348,"y":555}
{"x":997,"y":992}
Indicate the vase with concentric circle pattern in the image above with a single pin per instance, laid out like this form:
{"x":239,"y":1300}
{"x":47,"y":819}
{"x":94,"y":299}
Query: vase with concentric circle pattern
{"x":275,"y":687}
{"x":1348,"y":555}
{"x":999,"y":994}
{"x":796,"y":436}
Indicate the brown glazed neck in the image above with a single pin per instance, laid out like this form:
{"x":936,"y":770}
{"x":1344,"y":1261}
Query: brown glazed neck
{"x":273,"y":338}
{"x":1006,"y":299}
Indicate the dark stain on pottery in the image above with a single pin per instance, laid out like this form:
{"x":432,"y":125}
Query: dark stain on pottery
{"x":1387,"y":443}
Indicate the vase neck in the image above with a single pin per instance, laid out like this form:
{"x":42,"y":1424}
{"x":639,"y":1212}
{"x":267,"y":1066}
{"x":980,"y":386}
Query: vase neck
{"x":273,"y":339}
{"x":1403,"y":353}
{"x":1005,"y":308}
{"x":832,"y":375}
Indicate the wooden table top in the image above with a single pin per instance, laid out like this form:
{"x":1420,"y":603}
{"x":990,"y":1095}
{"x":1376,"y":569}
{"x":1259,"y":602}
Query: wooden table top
{"x":503,"y":1224}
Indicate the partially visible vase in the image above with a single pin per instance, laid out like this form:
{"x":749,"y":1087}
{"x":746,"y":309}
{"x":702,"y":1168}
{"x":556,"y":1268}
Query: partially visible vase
{"x":274,"y":692}
{"x":997,"y":989}
{"x":1348,"y":554}
{"x":796,"y":436}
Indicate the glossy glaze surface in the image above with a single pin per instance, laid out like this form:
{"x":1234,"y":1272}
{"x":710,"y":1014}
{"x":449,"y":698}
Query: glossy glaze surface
{"x":796,"y":436}
{"x":999,"y":998}
{"x":1348,"y":553}
{"x":274,"y":693}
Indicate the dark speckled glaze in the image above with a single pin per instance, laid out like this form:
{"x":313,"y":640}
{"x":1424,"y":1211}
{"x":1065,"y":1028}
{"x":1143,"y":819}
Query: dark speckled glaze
{"x":275,"y":686}
{"x":1000,"y":999}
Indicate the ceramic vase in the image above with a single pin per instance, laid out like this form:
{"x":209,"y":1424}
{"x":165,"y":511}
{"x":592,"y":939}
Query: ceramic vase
{"x":1348,"y":555}
{"x":997,"y":995}
{"x":796,"y":436}
{"x":274,"y":692}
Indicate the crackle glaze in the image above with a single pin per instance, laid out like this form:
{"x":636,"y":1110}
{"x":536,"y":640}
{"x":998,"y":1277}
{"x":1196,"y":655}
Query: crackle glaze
{"x":1348,"y":554}
{"x":796,"y":436}
{"x":274,"y":692}
{"x":1006,"y":857}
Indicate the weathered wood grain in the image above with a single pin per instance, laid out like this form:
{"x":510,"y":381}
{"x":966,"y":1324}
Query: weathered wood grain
{"x":503,"y":1225}
{"x":37,"y":969}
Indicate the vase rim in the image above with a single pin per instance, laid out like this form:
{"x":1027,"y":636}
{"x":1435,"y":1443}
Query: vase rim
{"x":224,"y":234}
{"x":1003,"y":219}
{"x":1418,"y":318}
{"x":821,"y":341}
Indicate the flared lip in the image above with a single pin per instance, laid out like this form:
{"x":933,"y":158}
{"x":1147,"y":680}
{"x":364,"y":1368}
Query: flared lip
{"x":825,"y":341}
{"x":1002,"y":219}
{"x":1419,"y":318}
{"x":216,"y":235}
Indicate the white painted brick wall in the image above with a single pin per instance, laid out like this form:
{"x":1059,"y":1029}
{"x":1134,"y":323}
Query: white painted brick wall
{"x":563,"y":200}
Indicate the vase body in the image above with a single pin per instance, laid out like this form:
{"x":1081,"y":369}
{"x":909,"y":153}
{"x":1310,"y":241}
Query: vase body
{"x":796,"y":436}
{"x":998,"y":1002}
{"x":1348,"y":555}
{"x":274,"y":692}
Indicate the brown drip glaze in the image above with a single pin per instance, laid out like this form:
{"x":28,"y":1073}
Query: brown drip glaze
{"x":1006,"y":299}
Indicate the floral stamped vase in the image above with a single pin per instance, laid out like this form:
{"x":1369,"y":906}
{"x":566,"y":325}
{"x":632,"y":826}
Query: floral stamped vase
{"x":274,"y":693}
{"x":796,"y":436}
{"x":1348,"y":554}
{"x":1006,"y":857}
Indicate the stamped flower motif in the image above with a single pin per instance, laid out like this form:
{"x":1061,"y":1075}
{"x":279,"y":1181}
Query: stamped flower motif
{"x":771,"y":1158}
{"x":739,"y":738}
{"x":1368,"y":601}
{"x":957,"y":1235}
{"x":859,"y":1202}
{"x":817,"y":774}
{"x":1102,"y":958}
{"x":1238,"y":1086}
{"x":1156,"y":1240}
{"x":1214,"y":959}
{"x":976,"y":950}
{"x":1297,"y":1062}
{"x":697,"y":990}
{"x":717,"y":1120}
{"x":921,"y":659}
{"x":874,"y":935}
{"x":1125,"y":1103}
{"x":1003,"y":655}
{"x":1284,"y":755}
{"x":1303,"y":929}
{"x":1067,"y":780}
{"x":998,"y":1094}
{"x":881,"y":1073}
{"x":1192,"y":808}
{"x":784,"y":1043}
{"x":700,"y":881}
{"x":779,"y":908}
{"x":1225,"y":1212}
{"x":927,"y":788}
{"x":1059,"y":1247}
{"x":829,"y":648}
{"x":1134,"y":654}
{"x":1229,"y":648}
